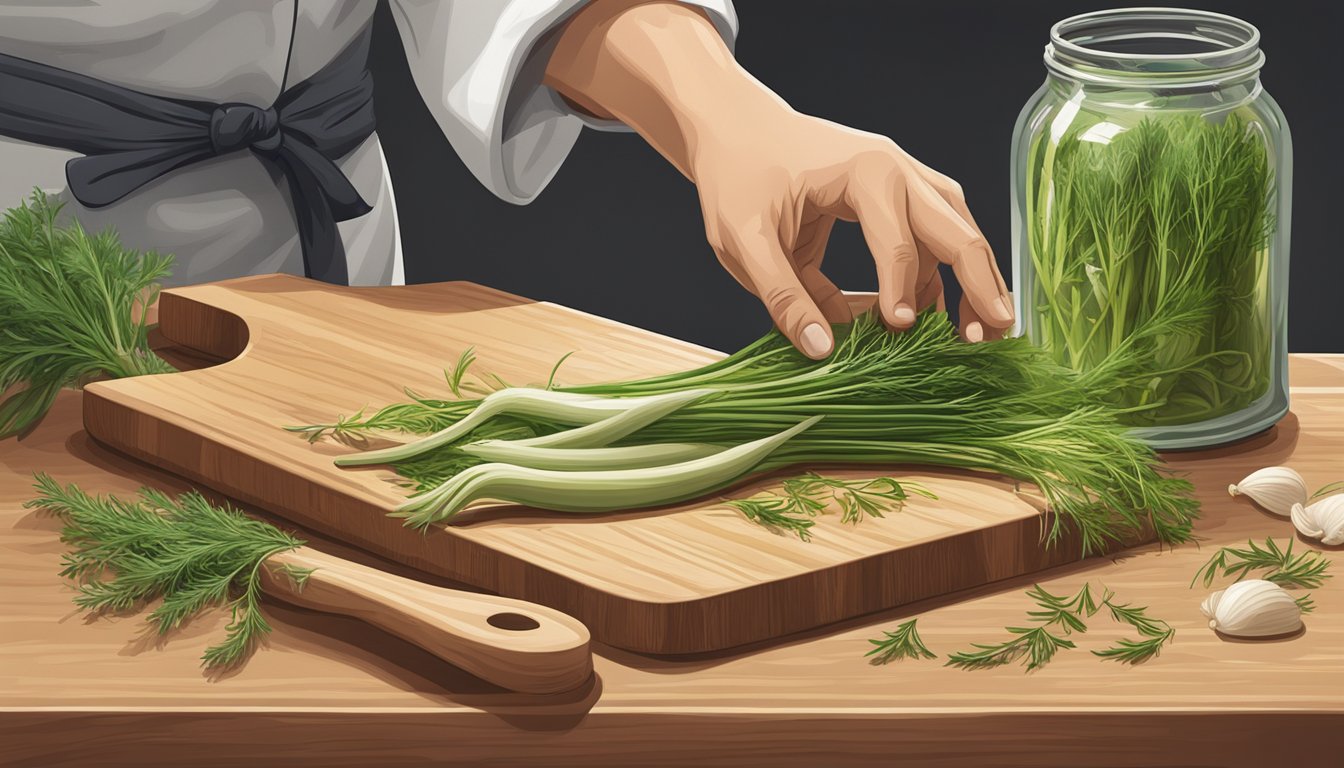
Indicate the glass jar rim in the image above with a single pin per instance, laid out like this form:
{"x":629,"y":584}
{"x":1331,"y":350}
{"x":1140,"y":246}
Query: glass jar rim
{"x":1235,"y":47}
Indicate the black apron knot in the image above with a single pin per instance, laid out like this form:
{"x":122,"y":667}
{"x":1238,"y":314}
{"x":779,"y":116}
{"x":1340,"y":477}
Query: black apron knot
{"x":239,"y":126}
{"x":129,"y":138}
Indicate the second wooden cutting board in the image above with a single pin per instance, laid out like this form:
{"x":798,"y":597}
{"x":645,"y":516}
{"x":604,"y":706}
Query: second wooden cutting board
{"x":696,"y":577}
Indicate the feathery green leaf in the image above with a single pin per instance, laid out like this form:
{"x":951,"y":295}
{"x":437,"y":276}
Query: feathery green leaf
{"x":1155,"y":634}
{"x":184,"y":550}
{"x":1306,"y":570}
{"x":1056,"y":618}
{"x":804,"y":497}
{"x":455,"y":373}
{"x":73,"y":309}
{"x":902,"y":643}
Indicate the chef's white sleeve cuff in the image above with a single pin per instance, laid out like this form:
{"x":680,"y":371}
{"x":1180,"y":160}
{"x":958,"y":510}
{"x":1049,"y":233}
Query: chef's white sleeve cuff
{"x":479,"y":67}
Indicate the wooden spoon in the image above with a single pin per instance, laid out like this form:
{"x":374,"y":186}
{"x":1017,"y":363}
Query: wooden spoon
{"x":511,"y":643}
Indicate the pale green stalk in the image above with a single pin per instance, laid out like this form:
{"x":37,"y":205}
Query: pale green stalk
{"x":596,"y":490}
{"x":580,"y":459}
{"x":611,"y":418}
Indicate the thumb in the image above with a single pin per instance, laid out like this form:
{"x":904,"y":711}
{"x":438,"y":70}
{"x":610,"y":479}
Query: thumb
{"x":776,"y":284}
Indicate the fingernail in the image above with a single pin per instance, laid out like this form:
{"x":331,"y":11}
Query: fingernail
{"x":975,"y":333}
{"x":903,"y":314}
{"x":816,"y":343}
{"x":1005,"y":309}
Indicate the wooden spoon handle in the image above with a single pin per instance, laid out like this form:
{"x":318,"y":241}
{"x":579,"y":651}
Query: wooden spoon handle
{"x":511,"y":643}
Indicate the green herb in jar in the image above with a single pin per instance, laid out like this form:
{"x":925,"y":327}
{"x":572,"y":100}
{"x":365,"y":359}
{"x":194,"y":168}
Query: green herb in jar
{"x":1150,"y":251}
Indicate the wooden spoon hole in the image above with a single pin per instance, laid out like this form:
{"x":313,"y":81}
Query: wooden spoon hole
{"x":513,"y":622}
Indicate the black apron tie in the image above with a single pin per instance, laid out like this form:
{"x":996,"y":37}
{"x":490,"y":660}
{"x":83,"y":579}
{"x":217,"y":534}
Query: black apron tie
{"x":129,"y":138}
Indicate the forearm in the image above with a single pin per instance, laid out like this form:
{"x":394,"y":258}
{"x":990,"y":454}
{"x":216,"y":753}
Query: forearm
{"x":661,"y":68}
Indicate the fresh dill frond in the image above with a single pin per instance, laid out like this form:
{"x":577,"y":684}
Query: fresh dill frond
{"x":72,"y":309}
{"x":1305,"y":603}
{"x":1057,"y":617}
{"x":453,"y":374}
{"x":184,"y":550}
{"x":1057,"y":608}
{"x":1038,"y":645}
{"x":340,"y":430}
{"x":857,"y":498}
{"x":1155,"y":634}
{"x":1307,"y":570}
{"x":245,"y":629}
{"x":804,"y":497}
{"x":1128,"y":651}
{"x":775,"y":514}
{"x":902,"y":643}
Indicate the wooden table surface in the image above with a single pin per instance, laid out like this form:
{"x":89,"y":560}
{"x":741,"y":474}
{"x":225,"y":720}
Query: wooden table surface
{"x":331,"y":691}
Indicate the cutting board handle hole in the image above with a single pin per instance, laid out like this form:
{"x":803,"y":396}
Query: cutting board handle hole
{"x":514,"y":622}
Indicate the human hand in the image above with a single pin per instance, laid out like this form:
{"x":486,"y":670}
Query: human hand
{"x":771,"y":188}
{"x":772,"y":182}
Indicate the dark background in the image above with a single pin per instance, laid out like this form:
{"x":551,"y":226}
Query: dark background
{"x":618,"y":232}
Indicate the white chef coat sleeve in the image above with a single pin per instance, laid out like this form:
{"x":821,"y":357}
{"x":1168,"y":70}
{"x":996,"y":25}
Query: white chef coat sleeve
{"x":479,"y":65}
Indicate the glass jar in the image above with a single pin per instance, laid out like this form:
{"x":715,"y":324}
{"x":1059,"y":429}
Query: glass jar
{"x":1151,"y":194}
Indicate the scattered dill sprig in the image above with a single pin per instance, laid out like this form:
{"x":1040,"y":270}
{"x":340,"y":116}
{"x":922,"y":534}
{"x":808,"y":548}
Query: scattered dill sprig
{"x":1305,"y":603}
{"x":453,"y":374}
{"x":902,"y":643}
{"x":857,"y":498}
{"x":804,"y":497}
{"x":1307,"y":570}
{"x":1326,"y":490}
{"x":1056,"y":618}
{"x":1155,"y":634}
{"x":73,"y":307}
{"x":774,"y":513}
{"x":186,"y":551}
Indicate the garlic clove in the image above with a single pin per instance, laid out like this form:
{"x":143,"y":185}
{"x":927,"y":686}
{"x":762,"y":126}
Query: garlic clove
{"x":1210,"y":607}
{"x":1253,"y":608}
{"x":1275,"y":489}
{"x":1323,"y":520}
{"x":1305,"y":522}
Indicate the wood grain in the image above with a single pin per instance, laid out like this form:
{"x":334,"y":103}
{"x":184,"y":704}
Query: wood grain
{"x":329,"y":691}
{"x":1019,"y":740}
{"x":691,"y":578}
{"x":514,"y":644}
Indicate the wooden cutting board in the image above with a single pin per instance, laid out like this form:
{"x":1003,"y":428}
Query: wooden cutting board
{"x":695,"y":577}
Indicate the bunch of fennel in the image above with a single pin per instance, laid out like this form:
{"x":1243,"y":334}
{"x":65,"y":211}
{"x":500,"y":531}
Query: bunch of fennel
{"x":919,"y":397}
